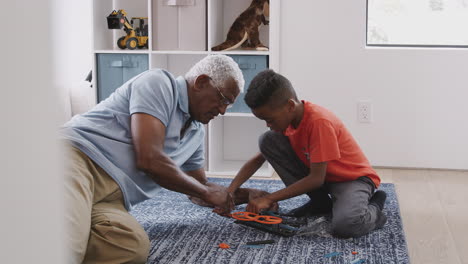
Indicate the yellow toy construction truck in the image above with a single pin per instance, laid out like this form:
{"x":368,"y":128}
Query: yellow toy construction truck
{"x":136,"y":37}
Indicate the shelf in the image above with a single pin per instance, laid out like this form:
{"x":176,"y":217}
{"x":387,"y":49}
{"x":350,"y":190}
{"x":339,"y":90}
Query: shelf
{"x":179,"y":62}
{"x":183,"y":52}
{"x":238,"y":115}
{"x":176,"y":63}
{"x":180,"y":36}
{"x":142,"y":51}
{"x":241,"y":52}
{"x":178,"y":27}
{"x":231,"y":52}
{"x":222,"y":14}
{"x":104,"y":38}
{"x":232,"y":140}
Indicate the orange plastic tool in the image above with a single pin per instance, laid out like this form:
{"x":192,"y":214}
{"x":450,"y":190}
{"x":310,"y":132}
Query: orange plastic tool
{"x":264,"y":219}
{"x":224,"y":246}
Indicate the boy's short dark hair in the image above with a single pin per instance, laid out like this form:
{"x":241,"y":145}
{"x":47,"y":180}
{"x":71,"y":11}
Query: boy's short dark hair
{"x":269,"y":87}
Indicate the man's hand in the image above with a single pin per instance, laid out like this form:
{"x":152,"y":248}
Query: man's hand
{"x":261,"y":204}
{"x":242,"y":195}
{"x":216,"y":195}
{"x":204,"y":203}
{"x":225,"y":210}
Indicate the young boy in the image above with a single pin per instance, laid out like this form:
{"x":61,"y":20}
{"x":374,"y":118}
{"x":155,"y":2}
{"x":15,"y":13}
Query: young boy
{"x":314,"y":154}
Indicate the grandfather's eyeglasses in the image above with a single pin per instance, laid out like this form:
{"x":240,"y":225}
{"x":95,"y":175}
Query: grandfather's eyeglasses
{"x":224,"y":100}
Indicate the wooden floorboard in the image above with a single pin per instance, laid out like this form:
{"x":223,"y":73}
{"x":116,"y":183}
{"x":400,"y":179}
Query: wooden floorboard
{"x":425,"y":222}
{"x":452,"y":190}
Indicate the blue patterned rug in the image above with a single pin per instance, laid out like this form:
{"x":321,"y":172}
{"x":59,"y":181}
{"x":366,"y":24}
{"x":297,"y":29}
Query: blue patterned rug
{"x":181,"y":232}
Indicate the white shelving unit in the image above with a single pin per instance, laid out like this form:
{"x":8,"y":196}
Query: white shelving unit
{"x":179,"y":36}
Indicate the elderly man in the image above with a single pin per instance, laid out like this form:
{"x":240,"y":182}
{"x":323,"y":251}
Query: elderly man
{"x":148,"y":133}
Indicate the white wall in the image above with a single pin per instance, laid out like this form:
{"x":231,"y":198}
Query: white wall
{"x":72,"y":32}
{"x":419,"y":96}
{"x":30,"y":191}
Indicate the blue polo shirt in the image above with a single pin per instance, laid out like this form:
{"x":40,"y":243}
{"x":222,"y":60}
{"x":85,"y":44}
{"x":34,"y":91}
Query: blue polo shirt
{"x":104,"y":134}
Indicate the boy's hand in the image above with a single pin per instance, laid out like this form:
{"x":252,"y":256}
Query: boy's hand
{"x":261,"y":204}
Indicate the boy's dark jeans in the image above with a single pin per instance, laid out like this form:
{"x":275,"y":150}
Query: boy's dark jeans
{"x":352,"y":216}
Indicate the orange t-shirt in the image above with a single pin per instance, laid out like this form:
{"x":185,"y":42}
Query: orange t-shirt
{"x":322,"y":137}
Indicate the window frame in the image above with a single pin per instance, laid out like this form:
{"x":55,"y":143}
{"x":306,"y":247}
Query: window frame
{"x":405,"y":45}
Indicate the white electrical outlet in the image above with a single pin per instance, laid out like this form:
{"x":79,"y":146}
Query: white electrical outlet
{"x":364,"y":111}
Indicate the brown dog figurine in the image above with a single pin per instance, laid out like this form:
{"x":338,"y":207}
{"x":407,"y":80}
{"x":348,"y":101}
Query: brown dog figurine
{"x":244,"y":30}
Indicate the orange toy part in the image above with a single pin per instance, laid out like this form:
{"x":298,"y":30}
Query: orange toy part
{"x":264,"y":219}
{"x":224,"y":246}
{"x":354,"y":252}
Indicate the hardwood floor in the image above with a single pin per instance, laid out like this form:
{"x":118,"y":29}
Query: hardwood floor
{"x":434,"y":209}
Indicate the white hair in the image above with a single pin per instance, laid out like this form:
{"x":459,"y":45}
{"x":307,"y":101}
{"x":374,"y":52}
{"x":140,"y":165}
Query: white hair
{"x":220,"y":68}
